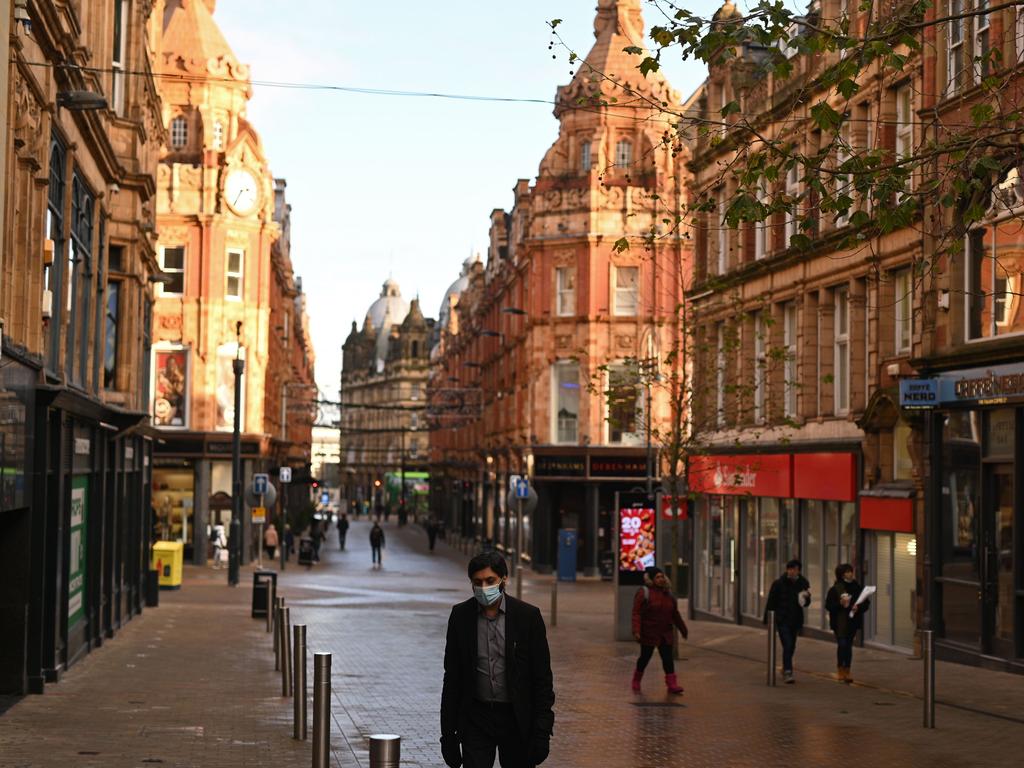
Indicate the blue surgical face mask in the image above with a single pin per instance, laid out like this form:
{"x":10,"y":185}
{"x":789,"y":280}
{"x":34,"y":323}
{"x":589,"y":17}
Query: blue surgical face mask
{"x":487,"y":595}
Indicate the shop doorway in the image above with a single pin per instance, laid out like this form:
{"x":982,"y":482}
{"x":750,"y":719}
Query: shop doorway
{"x":719,"y":533}
{"x":998,"y":594}
{"x":892,"y":567}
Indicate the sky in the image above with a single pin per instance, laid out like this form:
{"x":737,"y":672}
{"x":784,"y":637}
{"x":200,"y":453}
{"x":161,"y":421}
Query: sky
{"x":397,"y":185}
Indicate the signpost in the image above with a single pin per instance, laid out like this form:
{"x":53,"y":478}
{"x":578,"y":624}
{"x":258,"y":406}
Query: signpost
{"x":260,"y":487}
{"x":284,"y":474}
{"x":524,"y":498}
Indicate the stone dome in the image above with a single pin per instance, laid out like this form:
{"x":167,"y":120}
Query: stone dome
{"x":390,"y":306}
{"x":455,"y":290}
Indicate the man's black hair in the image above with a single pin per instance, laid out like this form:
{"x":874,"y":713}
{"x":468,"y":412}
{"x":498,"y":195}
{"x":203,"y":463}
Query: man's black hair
{"x":794,"y":563}
{"x":492,"y":560}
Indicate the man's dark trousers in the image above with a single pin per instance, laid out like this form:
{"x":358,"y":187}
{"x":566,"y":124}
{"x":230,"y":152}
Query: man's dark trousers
{"x":490,"y":728}
{"x":787,"y":635}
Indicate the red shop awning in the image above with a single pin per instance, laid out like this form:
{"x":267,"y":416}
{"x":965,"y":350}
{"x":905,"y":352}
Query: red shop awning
{"x":882,"y":513}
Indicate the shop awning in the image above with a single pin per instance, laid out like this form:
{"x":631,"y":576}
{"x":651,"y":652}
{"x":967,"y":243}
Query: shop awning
{"x":888,"y":507}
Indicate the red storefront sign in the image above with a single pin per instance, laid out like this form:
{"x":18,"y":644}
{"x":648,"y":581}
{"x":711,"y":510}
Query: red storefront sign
{"x":753,"y":475}
{"x":668,"y":505}
{"x":825,"y":476}
{"x":887,"y":514}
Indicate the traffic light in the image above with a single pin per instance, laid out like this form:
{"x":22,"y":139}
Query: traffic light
{"x":316,"y":484}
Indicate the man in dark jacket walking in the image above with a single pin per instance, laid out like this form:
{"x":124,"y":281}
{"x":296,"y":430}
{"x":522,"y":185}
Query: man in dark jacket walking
{"x":342,"y":530}
{"x":376,"y":543}
{"x":498,"y":690}
{"x":788,"y":597}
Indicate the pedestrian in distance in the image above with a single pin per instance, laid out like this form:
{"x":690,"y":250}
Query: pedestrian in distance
{"x":289,"y":542}
{"x":498,"y":690}
{"x":845,"y":617}
{"x":270,"y":540}
{"x":376,"y":543}
{"x":431,"y":533}
{"x":655,"y":618}
{"x":788,"y":596}
{"x":342,"y":530}
{"x":220,"y":547}
{"x":316,"y":535}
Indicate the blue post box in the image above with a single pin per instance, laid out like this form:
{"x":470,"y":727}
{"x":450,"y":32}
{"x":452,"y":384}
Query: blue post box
{"x":567,"y":554}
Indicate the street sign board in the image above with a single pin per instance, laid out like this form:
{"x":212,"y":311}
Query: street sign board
{"x":260,"y":483}
{"x":513,"y":481}
{"x":259,"y":515}
{"x":267,"y":499}
{"x":325,"y":498}
{"x":522,"y":488}
{"x":285,"y":474}
{"x":529,"y":501}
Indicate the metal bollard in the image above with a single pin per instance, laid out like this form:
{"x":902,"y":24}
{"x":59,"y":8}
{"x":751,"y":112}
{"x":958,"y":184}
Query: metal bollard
{"x":554,"y":601}
{"x":771,"y":647}
{"x":928,"y":656}
{"x":321,"y":709}
{"x":286,"y":652}
{"x":385,"y":750}
{"x":271,"y":603}
{"x":278,"y":607}
{"x":301,"y":703}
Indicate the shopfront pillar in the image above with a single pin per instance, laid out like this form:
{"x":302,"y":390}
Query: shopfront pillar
{"x":201,"y":511}
{"x":590,"y":542}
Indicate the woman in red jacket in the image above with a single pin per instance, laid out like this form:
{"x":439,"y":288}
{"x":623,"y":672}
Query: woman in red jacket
{"x":654,"y":614}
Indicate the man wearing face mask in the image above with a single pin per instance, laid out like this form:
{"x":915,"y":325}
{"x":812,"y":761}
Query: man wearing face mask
{"x":498,"y":691}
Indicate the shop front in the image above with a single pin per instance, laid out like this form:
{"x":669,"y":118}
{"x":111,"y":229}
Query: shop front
{"x":975,"y":507}
{"x":576,"y":489}
{"x":754,"y":512}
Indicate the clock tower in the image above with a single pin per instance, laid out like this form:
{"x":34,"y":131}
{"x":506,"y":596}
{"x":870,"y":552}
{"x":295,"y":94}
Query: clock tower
{"x":215,"y":218}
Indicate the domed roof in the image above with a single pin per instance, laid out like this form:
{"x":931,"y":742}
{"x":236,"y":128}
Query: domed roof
{"x":455,"y":289}
{"x":390,"y":305}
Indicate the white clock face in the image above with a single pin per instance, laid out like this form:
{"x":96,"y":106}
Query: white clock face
{"x":241,"y":191}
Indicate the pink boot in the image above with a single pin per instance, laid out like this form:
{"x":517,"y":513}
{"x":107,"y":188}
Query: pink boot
{"x":673,"y":684}
{"x":637,"y":676}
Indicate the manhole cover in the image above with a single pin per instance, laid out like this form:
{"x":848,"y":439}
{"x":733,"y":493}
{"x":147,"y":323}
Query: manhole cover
{"x":657,"y":704}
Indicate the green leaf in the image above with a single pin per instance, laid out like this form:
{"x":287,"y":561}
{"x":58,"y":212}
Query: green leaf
{"x":554,"y":23}
{"x":621,"y":245}
{"x":982,"y":113}
{"x":649,"y":65}
{"x":847,"y":88}
{"x":636,"y":50}
{"x":731,"y":108}
{"x":826,"y":118}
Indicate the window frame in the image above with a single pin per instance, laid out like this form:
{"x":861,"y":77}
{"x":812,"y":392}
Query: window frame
{"x":119,"y":56}
{"x":624,"y":154}
{"x":617,"y":310}
{"x":238,"y":275}
{"x":625,"y":437}
{"x":720,"y":374}
{"x":723,"y":233}
{"x":956,"y":48}
{"x":161,"y":289}
{"x":844,"y":184}
{"x":790,"y":332}
{"x":565,"y":298}
{"x":903,"y":311}
{"x":586,"y":158}
{"x":981,"y":30}
{"x":761,"y":241}
{"x":115,"y":288}
{"x":760,"y":365}
{"x":557,"y":384}
{"x":81,"y":263}
{"x":178,"y":132}
{"x":841,"y":349}
{"x":792,"y":187}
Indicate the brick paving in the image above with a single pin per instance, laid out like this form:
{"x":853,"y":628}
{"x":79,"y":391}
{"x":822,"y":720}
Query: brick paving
{"x":192,"y":684}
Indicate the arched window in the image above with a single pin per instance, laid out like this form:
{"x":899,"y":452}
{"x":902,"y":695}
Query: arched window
{"x":179,"y":132}
{"x":624,"y":155}
{"x":585,"y":156}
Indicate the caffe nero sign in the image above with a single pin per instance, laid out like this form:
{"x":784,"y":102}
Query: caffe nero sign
{"x":975,"y":386}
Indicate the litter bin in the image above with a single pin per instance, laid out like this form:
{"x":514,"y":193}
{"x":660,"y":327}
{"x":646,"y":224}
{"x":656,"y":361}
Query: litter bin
{"x":168,"y":557}
{"x":152,"y":588}
{"x":567,"y":554}
{"x":606,"y":566}
{"x":261,"y":597}
{"x":306,"y":551}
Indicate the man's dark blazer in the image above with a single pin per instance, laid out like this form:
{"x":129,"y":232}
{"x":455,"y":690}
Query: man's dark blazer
{"x":527,"y":668}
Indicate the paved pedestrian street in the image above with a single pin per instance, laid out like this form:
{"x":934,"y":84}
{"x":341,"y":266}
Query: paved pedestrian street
{"x":191,"y":683}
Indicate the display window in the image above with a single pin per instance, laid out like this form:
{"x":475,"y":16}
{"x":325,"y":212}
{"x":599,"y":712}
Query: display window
{"x":174,"y":504}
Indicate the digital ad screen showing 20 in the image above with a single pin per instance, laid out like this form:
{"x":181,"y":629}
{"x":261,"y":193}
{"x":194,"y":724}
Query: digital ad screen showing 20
{"x":636,"y":539}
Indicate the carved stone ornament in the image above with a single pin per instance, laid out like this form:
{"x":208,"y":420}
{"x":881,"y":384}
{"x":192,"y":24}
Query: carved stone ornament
{"x":28,"y":119}
{"x":625,"y":341}
{"x":170,"y":322}
{"x":563,"y":340}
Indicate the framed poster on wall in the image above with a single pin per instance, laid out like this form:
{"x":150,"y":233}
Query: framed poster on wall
{"x":170,"y":387}
{"x":77,"y":551}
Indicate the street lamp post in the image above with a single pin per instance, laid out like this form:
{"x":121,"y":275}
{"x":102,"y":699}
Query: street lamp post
{"x":235,"y":538}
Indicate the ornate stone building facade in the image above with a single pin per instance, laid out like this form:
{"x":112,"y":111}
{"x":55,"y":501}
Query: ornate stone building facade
{"x":76,"y":266}
{"x":536,"y":369}
{"x":383,"y":391}
{"x":229,"y":291}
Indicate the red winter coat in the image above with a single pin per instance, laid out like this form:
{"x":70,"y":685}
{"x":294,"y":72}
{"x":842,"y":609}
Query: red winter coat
{"x":654,"y":616}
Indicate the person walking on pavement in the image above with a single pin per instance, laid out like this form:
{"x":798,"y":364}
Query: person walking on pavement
{"x":220,"y":546}
{"x":654,"y":616}
{"x":845,"y":617}
{"x":316,"y":536}
{"x":342,"y":530}
{"x":376,"y":543}
{"x":270,"y":540}
{"x":289,"y":542}
{"x":789,"y":595}
{"x":431,"y":533}
{"x":498,"y":689}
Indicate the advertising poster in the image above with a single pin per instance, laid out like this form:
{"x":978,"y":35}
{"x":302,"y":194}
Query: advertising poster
{"x":77,"y":554}
{"x":169,"y":388}
{"x":636,"y":539}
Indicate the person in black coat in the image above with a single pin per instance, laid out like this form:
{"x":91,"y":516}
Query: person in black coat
{"x":845,"y":617}
{"x":789,"y":595}
{"x":498,"y":690}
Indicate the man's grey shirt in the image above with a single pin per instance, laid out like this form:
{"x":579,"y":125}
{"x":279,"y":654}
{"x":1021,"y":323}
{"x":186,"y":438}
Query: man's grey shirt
{"x":490,"y":655}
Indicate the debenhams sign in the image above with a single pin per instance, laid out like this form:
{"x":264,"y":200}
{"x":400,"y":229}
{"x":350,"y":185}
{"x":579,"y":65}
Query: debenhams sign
{"x":981,"y":386}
